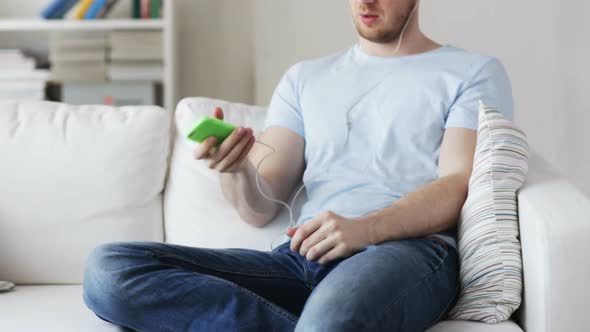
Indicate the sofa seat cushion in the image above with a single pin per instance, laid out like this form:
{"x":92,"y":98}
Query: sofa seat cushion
{"x":62,"y":309}
{"x":49,"y":309}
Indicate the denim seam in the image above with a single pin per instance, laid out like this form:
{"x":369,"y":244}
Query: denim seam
{"x":157,"y":253}
{"x":243,"y":273}
{"x":308,"y":279}
{"x":440,"y":315}
{"x":273,"y":307}
{"x":393,"y":302}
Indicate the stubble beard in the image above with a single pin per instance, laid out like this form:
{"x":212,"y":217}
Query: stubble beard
{"x":386,"y":35}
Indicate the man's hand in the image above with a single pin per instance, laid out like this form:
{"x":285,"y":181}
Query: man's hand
{"x":329,"y":236}
{"x":232,"y":153}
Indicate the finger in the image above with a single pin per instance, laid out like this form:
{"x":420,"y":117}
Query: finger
{"x":218,"y":113}
{"x":227,"y":145}
{"x":332,"y":255}
{"x":242,"y":157}
{"x":234,"y":154}
{"x":313,"y":239}
{"x":321,"y":249}
{"x":291,"y":231}
{"x":203,"y":149}
{"x":303,"y":232}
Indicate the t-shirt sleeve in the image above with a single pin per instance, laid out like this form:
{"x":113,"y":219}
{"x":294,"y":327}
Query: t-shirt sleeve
{"x":491,"y":85}
{"x":285,"y":109}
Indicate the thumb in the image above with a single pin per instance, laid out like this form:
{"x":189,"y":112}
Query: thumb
{"x":218,"y":113}
{"x":291,"y":231}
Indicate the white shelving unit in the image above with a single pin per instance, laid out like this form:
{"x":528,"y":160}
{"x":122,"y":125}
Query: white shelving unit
{"x":166,"y":25}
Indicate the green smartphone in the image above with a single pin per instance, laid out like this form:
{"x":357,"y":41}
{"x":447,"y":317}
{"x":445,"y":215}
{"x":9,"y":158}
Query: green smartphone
{"x":208,"y":126}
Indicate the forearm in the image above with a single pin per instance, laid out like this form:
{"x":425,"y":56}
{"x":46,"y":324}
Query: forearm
{"x":433,"y":208}
{"x":241,"y":191}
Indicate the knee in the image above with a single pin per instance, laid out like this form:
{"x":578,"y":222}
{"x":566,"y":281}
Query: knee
{"x":329,"y":310}
{"x":103,"y":276}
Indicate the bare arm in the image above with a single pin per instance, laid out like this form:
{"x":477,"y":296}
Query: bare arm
{"x":279,"y":173}
{"x":430,"y":209}
{"x":237,"y":158}
{"x":436,"y":206}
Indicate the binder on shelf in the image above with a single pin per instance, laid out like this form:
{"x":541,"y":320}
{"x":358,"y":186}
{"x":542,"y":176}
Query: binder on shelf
{"x":82,"y":9}
{"x":109,"y":6}
{"x":95,"y":9}
{"x":155,"y":9}
{"x":145,"y":9}
{"x":136,"y":9}
{"x":57,"y":9}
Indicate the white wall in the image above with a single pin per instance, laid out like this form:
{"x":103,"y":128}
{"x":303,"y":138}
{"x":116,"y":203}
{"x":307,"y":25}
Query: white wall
{"x":288,"y":31}
{"x":216,"y":49}
{"x":544,"y":44}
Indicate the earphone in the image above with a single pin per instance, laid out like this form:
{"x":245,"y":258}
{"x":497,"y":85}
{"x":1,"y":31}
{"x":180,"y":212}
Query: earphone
{"x":399,"y":43}
{"x":348,"y":125}
{"x":289,"y":207}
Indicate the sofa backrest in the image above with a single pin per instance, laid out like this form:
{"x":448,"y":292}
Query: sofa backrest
{"x":195,"y":211}
{"x":73,"y":177}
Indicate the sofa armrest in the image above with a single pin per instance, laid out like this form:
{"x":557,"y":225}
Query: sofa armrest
{"x":554,"y":227}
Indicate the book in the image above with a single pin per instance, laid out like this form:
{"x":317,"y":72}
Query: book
{"x":136,"y":8}
{"x":95,"y":9}
{"x":105,"y":11}
{"x":11,"y":85}
{"x":19,"y":80}
{"x":145,"y":9}
{"x":14,"y":59}
{"x":155,"y":8}
{"x":78,"y":46}
{"x":37,"y":74}
{"x":136,"y":45}
{"x":57,"y":9}
{"x":57,"y":55}
{"x":83,"y":8}
{"x":18,"y":64}
{"x":136,"y":71}
{"x":79,"y":71}
{"x":67,"y":8}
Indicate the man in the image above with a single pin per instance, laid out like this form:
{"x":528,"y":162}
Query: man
{"x":384,"y":136}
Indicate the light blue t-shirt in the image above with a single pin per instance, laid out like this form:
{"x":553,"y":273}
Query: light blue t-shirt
{"x":373,"y":126}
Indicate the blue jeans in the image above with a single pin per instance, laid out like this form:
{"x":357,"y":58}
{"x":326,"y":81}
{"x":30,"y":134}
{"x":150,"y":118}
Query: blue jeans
{"x":395,"y":286}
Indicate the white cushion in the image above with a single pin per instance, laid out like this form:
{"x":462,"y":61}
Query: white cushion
{"x":49,"y":309}
{"x":196,"y":212}
{"x":73,"y":177}
{"x":489,"y":245}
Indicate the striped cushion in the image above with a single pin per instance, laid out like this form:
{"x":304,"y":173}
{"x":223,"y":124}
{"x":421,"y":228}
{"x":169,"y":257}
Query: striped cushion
{"x":489,"y":245}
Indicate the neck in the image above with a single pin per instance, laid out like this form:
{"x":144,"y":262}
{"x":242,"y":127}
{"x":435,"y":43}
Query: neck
{"x":413,"y":42}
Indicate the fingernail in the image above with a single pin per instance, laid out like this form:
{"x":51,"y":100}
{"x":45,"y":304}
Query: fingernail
{"x":240,"y":130}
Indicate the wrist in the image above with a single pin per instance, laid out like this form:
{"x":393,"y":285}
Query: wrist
{"x":370,"y":227}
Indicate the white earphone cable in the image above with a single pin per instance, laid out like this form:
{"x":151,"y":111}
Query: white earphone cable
{"x":290,"y":207}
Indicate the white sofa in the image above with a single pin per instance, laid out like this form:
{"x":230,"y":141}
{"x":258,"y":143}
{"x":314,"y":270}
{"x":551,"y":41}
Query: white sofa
{"x":74,"y":177}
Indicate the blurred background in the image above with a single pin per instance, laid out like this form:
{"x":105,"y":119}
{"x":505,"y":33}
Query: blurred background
{"x":238,"y":49}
